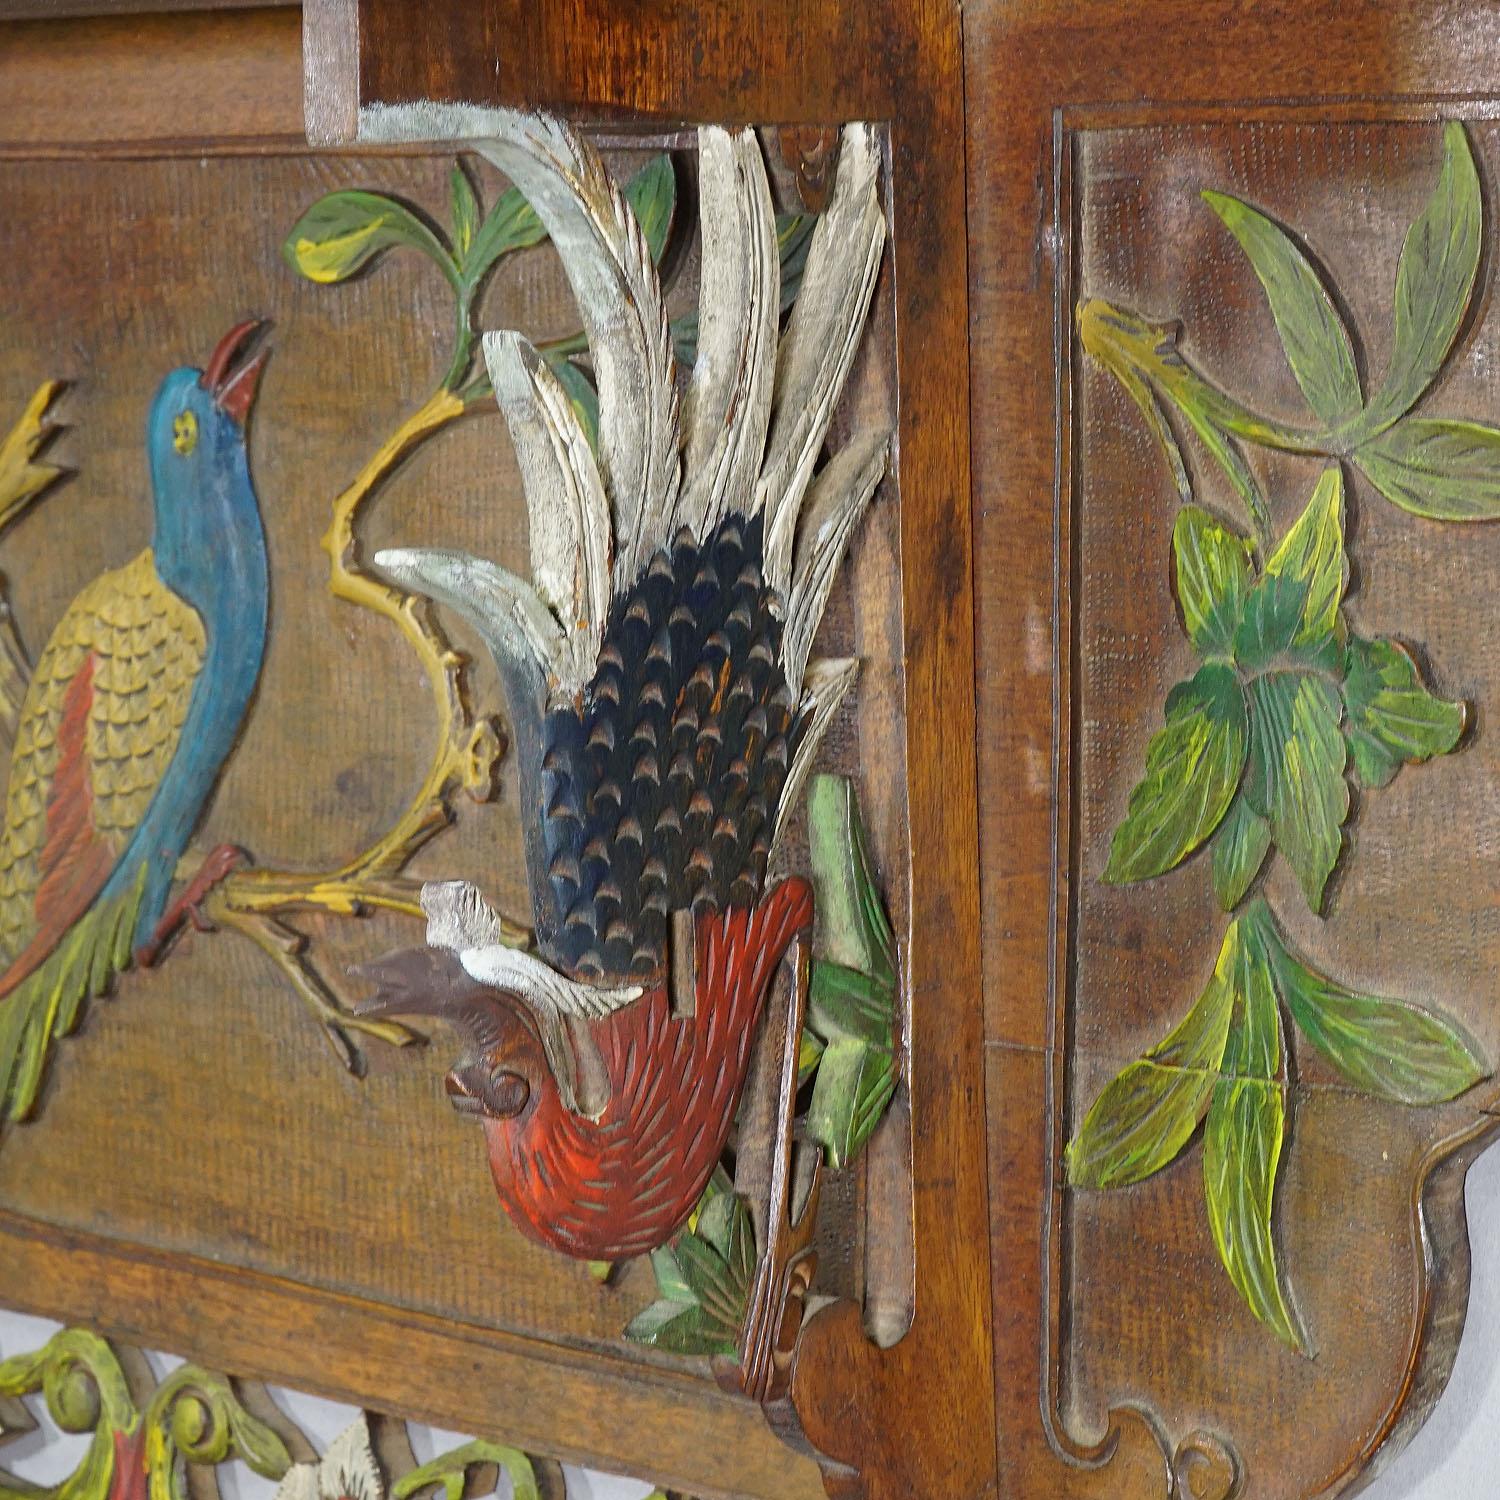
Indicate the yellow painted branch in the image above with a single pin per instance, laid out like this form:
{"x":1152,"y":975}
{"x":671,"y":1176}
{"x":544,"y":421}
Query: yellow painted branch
{"x":465,"y":753}
{"x":22,"y":478}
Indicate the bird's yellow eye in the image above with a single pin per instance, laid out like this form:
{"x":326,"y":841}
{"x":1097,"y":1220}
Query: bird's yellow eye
{"x":185,"y":432}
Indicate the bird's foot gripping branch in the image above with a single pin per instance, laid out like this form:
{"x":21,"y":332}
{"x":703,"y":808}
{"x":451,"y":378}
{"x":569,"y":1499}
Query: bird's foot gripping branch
{"x":1288,"y":699}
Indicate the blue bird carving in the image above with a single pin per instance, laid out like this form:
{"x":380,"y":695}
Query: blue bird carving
{"x":134,"y":706}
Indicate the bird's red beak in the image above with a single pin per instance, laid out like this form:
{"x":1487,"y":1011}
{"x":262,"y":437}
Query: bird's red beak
{"x":233,"y":369}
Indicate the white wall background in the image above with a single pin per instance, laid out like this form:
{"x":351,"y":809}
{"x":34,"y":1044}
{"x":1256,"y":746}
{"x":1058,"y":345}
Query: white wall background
{"x":1455,"y":1456}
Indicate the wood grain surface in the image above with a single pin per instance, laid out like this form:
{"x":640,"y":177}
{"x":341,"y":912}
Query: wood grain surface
{"x":198,"y":1148}
{"x":1105,"y":125}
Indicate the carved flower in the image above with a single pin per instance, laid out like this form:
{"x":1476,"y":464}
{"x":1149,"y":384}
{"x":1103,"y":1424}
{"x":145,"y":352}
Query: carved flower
{"x":347,"y":1471}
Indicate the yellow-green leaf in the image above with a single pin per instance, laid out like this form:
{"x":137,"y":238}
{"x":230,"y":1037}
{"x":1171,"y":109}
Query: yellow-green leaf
{"x":1192,"y":768}
{"x":1270,"y":621}
{"x":343,"y":231}
{"x":464,"y":207}
{"x":653,"y":195}
{"x":1312,"y":552}
{"x":1145,"y":1115}
{"x":1212,"y":572}
{"x":1241,"y":1153}
{"x":1243,"y":1137}
{"x":1434,"y":281}
{"x":1445,"y":470}
{"x":855,"y":1082}
{"x":1295,"y":775}
{"x":1313,"y":335}
{"x":1391,"y":717}
{"x":1385,"y":1047}
{"x":511,"y":225}
{"x":22,"y":476}
{"x":1240,"y":845}
{"x":582,"y":396}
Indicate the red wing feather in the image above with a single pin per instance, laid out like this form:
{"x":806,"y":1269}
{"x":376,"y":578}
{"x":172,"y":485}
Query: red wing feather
{"x":75,"y":862}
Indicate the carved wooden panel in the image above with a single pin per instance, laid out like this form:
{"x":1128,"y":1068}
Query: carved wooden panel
{"x":1350,"y":905}
{"x":1252,"y":1003}
{"x":1122,"y":1052}
{"x":219,"y":1082}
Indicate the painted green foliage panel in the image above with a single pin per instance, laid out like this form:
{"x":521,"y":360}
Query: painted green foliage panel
{"x":1290,"y":703}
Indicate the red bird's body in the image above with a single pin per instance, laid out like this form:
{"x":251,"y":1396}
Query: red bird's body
{"x":665,"y":704}
{"x":620,"y":1185}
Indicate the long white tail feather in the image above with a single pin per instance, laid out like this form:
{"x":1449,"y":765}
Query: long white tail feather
{"x":824,"y":330}
{"x":834,"y":506}
{"x":828,"y":684}
{"x":616,"y":287}
{"x":568,"y":513}
{"x":728,"y":404}
{"x":504,"y":609}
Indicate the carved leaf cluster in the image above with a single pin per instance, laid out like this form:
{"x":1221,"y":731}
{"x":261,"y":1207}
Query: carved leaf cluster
{"x":1287,"y":702}
{"x":1224,"y":1067}
{"x":1256,"y":743}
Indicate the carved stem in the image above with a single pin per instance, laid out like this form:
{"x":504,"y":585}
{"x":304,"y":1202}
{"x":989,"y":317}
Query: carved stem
{"x":465,"y":753}
{"x":286,"y":949}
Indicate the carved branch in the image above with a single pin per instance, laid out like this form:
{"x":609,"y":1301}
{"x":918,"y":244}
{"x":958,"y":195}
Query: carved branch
{"x":466,"y":750}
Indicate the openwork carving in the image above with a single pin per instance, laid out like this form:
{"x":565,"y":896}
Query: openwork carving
{"x":165,"y":1440}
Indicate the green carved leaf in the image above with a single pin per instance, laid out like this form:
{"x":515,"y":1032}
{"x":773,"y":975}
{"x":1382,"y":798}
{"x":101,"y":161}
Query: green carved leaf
{"x":1434,"y":281}
{"x":1317,"y":344}
{"x":793,"y":241}
{"x":450,"y":1470}
{"x":855,"y":1083}
{"x":1243,"y":1137}
{"x":653,"y":195}
{"x":1192,"y":768}
{"x":1295,"y":772}
{"x":845,"y":1002}
{"x":582,"y":396}
{"x":852,"y":992}
{"x":1240,"y":846}
{"x":1446,"y":470}
{"x":1241,"y":1152}
{"x":702,"y":1279}
{"x":853,"y":929}
{"x":1391,"y":717}
{"x":511,"y":225}
{"x":464,"y":209}
{"x":1147,"y":1112}
{"x":1212,"y":573}
{"x":1389,"y":1048}
{"x":1312,"y":552}
{"x":343,"y":231}
{"x":1272,"y":618}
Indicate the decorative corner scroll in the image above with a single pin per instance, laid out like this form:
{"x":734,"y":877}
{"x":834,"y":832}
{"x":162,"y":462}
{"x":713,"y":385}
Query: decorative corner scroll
{"x":1288,"y":699}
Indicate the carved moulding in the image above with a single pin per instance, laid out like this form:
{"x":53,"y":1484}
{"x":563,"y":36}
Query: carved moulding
{"x":1314,"y":1056}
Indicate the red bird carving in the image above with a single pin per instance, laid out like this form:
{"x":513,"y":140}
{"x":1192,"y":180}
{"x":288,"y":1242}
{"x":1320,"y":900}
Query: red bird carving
{"x":665,"y":709}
